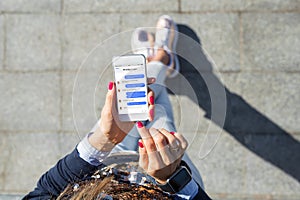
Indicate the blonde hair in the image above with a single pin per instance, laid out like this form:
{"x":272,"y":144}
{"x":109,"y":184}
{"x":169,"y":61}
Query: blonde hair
{"x":101,"y":189}
{"x":88,"y":190}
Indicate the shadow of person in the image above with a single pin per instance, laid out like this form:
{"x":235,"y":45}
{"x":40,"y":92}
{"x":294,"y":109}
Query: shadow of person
{"x":246,"y":124}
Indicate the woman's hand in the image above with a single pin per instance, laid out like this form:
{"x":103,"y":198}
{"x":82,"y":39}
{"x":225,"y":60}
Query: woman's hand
{"x":111,"y":130}
{"x":160,"y":151}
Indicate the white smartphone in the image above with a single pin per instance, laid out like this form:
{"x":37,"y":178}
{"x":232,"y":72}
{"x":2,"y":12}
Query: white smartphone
{"x":131,"y":87}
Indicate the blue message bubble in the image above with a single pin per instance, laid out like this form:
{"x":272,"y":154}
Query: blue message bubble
{"x":135,"y":85}
{"x":134,"y":76}
{"x":136,"y":94}
{"x":136,"y":103}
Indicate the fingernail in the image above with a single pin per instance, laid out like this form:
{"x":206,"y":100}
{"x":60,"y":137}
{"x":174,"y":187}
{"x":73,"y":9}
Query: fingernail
{"x":151,"y":112}
{"x":139,"y":124}
{"x":140,"y":144}
{"x":172,"y":133}
{"x":152,"y":100}
{"x":110,"y":85}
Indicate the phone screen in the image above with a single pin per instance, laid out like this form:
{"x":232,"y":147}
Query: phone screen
{"x":131,"y":86}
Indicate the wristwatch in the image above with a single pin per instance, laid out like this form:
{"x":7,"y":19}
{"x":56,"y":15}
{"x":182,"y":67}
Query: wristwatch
{"x":177,"y":181}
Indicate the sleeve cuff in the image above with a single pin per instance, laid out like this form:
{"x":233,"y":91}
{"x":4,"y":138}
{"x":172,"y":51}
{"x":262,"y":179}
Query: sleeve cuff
{"x":89,"y":153}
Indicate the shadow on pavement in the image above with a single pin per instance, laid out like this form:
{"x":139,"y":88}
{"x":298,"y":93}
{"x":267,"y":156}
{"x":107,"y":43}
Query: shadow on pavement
{"x":246,"y":124}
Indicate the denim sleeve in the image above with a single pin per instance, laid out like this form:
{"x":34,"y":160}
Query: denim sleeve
{"x":69,"y":169}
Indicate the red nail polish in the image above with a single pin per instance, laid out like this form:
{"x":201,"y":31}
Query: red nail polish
{"x":141,"y":144}
{"x":172,"y":133}
{"x":152,"y":100}
{"x":110,"y":85}
{"x":139,"y":124}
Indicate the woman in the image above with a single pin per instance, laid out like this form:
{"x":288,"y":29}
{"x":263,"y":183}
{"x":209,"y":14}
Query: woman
{"x":161,"y":149}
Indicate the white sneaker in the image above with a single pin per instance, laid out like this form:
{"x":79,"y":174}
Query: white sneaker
{"x":166,"y":37}
{"x":142,"y":42}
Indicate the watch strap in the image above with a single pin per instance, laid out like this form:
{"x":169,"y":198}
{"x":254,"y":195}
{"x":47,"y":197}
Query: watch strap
{"x":168,"y":187}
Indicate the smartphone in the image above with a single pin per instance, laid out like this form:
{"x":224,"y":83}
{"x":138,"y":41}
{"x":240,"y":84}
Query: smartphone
{"x":131,"y":87}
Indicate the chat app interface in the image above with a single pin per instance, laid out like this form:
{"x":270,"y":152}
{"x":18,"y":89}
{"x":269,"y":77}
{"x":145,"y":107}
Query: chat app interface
{"x":131,"y":89}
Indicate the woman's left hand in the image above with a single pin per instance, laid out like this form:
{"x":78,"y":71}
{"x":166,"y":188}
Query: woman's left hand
{"x":160,"y":151}
{"x":111,"y":130}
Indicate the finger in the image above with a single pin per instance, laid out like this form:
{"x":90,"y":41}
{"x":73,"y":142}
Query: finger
{"x":107,"y":109}
{"x":151,"y":113}
{"x":151,"y":97}
{"x":177,"y":143}
{"x":168,"y":156}
{"x":154,"y":159}
{"x":151,"y":80}
{"x":182,"y":141}
{"x":114,"y":102}
{"x":151,"y":105}
{"x":146,"y":136}
{"x":143,"y":160}
{"x":172,"y":140}
{"x":162,"y":147}
{"x":159,"y":139}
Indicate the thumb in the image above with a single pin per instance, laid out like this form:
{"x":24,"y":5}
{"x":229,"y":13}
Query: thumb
{"x":107,"y":110}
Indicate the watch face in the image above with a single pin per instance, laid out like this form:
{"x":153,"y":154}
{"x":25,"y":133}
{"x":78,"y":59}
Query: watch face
{"x":180,"y":180}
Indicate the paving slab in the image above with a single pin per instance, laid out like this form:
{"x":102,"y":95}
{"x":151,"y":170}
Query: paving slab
{"x":218,"y":35}
{"x":10,"y":196}
{"x":265,"y":177}
{"x":1,"y":41}
{"x":68,"y":142}
{"x":83,"y":98}
{"x":116,"y":6}
{"x":220,"y":163}
{"x":3,"y":158}
{"x":203,"y":102}
{"x":274,"y":95}
{"x":29,"y":101}
{"x":239,"y":5}
{"x":24,"y":166}
{"x":30,"y":6}
{"x":32,"y":42}
{"x":84,"y":33}
{"x":265,"y":169}
{"x":251,"y":197}
{"x":130,"y":21}
{"x":271,"y":41}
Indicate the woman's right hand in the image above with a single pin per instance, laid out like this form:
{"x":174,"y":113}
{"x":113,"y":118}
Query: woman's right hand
{"x":160,"y":152}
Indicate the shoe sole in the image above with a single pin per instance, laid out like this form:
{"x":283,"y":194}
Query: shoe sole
{"x":176,"y":69}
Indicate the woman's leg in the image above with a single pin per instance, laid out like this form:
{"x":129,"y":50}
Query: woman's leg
{"x":163,"y":109}
{"x":163,"y":116}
